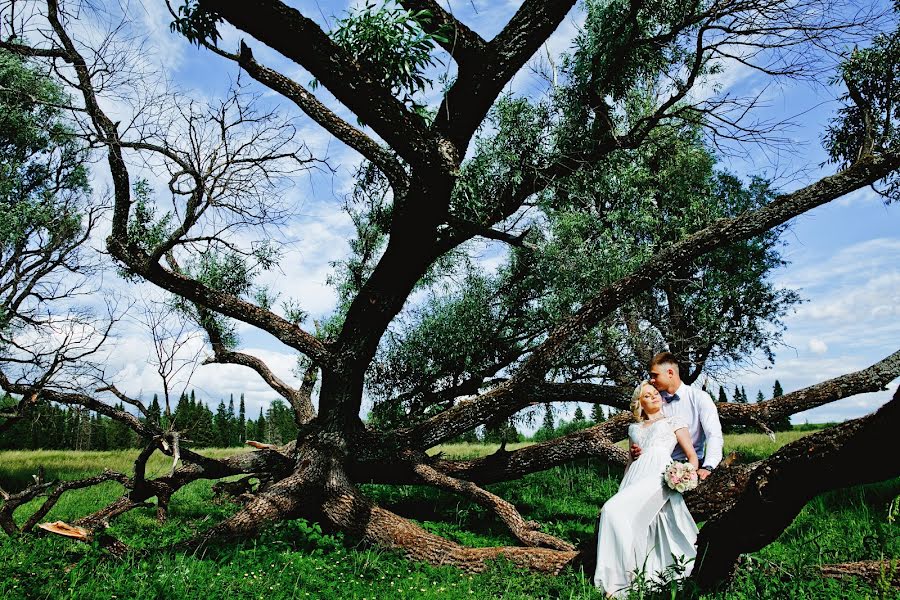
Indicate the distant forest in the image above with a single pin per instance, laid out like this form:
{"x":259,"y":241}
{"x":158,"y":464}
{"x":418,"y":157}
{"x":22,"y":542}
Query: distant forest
{"x":55,"y":427}
{"x":50,"y":426}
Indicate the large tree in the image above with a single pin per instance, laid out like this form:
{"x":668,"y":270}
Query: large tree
{"x":626,"y":95}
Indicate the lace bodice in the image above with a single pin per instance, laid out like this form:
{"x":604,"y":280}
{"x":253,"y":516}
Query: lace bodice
{"x":659,"y":434}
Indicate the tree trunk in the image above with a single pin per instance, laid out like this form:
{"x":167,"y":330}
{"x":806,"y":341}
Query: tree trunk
{"x":855,"y":452}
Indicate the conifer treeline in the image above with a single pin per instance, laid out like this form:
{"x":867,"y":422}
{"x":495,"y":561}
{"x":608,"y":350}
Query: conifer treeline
{"x":55,"y":427}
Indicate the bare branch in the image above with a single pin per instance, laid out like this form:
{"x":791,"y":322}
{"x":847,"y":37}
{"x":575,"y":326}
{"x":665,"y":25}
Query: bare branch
{"x":381,"y":157}
{"x":126,"y":399}
{"x":188,"y":288}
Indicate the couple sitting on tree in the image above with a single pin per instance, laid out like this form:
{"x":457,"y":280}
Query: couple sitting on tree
{"x":646,"y":526}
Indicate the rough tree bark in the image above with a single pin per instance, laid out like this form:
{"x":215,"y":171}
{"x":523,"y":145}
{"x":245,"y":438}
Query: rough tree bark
{"x":779,"y":487}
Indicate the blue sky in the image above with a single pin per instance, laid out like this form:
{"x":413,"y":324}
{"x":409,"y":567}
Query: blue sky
{"x":845,"y":257}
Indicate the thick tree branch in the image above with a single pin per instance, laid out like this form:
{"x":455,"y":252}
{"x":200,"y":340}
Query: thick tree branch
{"x":873,"y":572}
{"x":25,"y":50}
{"x":380,"y":156}
{"x":472,"y":229}
{"x":464,"y":45}
{"x":280,"y":26}
{"x":12,"y":501}
{"x":475,"y":90}
{"x":468,"y":414}
{"x":355,"y":514}
{"x":143,"y":429}
{"x":502,"y":401}
{"x":125,"y":399}
{"x":299,"y":399}
{"x":851,"y":453}
{"x":65,"y":486}
{"x":525,"y":531}
{"x":221,"y":302}
{"x":870,"y":379}
{"x":598,"y":441}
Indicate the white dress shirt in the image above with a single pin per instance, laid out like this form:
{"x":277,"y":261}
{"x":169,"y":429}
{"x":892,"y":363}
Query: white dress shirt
{"x":695,"y":408}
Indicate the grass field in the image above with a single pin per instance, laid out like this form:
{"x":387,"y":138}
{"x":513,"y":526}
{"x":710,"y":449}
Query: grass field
{"x":298,"y":560}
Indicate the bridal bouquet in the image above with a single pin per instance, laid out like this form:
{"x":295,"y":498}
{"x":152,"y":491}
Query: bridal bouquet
{"x":680,"y":476}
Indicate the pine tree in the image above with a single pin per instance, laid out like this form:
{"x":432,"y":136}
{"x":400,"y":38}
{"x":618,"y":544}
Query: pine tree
{"x":784,"y":423}
{"x":242,"y":422}
{"x":548,"y":427}
{"x":744,"y":398}
{"x":261,"y":428}
{"x":760,"y":397}
{"x":154,"y":412}
{"x":281,"y":424}
{"x":220,"y":426}
{"x":100,"y":441}
{"x":579,"y":414}
{"x":597,"y":414}
{"x":548,"y":424}
{"x":723,"y":397}
{"x":119,"y":434}
{"x":203,"y":432}
{"x":502,"y":432}
{"x":232,"y":424}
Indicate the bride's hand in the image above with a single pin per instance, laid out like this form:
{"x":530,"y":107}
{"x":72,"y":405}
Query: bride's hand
{"x":635,"y":451}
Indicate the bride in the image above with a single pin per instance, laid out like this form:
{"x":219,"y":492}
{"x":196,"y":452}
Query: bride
{"x":645,"y":525}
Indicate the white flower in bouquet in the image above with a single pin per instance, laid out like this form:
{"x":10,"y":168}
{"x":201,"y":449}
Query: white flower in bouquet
{"x":680,"y":477}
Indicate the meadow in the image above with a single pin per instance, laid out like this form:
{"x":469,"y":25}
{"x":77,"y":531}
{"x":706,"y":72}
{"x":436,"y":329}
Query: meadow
{"x":298,"y":559}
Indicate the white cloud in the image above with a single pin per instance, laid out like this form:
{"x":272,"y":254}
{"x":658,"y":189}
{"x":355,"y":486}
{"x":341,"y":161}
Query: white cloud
{"x":817,"y":346}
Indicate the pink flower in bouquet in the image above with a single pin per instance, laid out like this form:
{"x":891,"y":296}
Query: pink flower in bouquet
{"x":680,"y":477}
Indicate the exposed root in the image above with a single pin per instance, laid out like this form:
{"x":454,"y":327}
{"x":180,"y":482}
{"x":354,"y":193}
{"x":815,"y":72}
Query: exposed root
{"x":352,"y":512}
{"x":875,"y":572}
{"x":526,"y":532}
{"x":40,"y":487}
{"x":281,"y":500}
{"x":103,"y":517}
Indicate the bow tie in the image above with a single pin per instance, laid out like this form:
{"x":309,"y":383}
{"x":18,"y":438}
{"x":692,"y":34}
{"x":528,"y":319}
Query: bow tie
{"x":671,"y":398}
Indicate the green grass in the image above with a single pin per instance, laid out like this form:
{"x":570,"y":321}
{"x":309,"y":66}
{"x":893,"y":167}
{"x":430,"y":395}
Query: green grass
{"x":297,"y":559}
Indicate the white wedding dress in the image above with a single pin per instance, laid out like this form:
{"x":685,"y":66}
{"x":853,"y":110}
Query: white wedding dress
{"x":645,"y":522}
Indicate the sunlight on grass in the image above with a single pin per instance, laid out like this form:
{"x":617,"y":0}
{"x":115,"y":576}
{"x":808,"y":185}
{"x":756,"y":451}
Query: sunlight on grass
{"x":466,"y":450}
{"x":299,"y":559}
{"x":18,"y":466}
{"x":751,"y":446}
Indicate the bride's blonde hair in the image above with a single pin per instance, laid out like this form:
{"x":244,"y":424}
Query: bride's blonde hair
{"x":636,"y":408}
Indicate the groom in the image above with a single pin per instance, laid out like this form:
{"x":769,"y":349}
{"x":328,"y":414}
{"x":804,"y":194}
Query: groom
{"x":690,"y":405}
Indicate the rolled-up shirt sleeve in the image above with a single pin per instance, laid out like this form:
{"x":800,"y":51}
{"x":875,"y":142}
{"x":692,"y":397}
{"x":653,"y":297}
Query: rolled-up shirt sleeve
{"x":712,"y":429}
